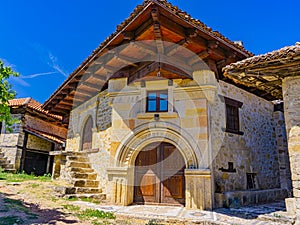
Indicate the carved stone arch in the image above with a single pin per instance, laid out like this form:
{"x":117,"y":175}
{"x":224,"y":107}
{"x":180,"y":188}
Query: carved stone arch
{"x":156,"y":132}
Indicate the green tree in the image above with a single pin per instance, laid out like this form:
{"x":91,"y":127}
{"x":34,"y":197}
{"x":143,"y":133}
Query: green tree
{"x":6,"y":93}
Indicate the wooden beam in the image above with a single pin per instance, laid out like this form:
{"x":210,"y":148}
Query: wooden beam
{"x":144,"y":48}
{"x":145,"y":26}
{"x":128,"y":35}
{"x":143,"y":71}
{"x":176,"y":47}
{"x":157,"y":30}
{"x":174,"y":27}
{"x":200,"y":56}
{"x":127,"y":60}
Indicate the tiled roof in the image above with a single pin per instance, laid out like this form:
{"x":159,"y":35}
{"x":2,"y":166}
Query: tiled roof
{"x":285,"y":52}
{"x":265,"y":72}
{"x":49,"y":137}
{"x":165,"y":4}
{"x":32,"y":104}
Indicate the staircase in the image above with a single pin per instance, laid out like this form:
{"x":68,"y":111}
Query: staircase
{"x":5,"y":163}
{"x":84,"y":178}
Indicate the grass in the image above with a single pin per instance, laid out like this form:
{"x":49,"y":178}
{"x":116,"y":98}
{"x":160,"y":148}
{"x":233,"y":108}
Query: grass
{"x":95,"y":213}
{"x":7,"y":220}
{"x":91,"y":214}
{"x":22,"y":176}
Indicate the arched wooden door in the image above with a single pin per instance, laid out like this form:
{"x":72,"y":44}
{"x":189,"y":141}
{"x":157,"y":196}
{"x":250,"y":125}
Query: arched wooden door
{"x":159,"y":175}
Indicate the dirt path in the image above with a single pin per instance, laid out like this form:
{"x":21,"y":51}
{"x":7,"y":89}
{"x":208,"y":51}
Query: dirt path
{"x":32,"y":203}
{"x":35,"y":202}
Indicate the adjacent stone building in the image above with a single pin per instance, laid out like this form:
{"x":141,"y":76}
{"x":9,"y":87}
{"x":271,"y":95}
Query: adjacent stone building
{"x":278,"y":73}
{"x":38,"y":133}
{"x":153,"y":120}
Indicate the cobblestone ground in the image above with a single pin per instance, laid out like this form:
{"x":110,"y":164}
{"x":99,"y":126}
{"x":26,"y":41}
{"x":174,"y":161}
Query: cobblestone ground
{"x":35,"y":202}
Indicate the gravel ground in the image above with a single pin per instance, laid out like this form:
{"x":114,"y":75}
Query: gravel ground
{"x":35,"y":202}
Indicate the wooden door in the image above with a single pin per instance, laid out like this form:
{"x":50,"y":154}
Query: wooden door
{"x":159,"y":175}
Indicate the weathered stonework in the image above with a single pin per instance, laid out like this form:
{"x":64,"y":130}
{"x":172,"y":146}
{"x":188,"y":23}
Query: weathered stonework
{"x":291,"y":92}
{"x":195,"y":123}
{"x":36,"y":143}
{"x":254,"y":151}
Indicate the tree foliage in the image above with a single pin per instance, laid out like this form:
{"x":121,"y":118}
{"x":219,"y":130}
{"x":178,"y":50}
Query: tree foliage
{"x":6,"y":93}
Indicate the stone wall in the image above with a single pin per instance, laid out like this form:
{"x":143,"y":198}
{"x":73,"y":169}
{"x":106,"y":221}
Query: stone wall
{"x":11,"y":143}
{"x":197,"y":113}
{"x":254,"y":151}
{"x":291,"y":93}
{"x":36,"y":143}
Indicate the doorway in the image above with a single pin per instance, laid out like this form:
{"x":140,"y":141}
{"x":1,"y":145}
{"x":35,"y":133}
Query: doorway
{"x":159,"y":175}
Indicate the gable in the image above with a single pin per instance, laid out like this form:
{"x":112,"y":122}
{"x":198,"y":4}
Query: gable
{"x":163,"y":27}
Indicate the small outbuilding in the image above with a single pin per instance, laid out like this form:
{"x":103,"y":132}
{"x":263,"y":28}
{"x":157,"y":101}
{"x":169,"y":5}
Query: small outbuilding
{"x":28,"y":147}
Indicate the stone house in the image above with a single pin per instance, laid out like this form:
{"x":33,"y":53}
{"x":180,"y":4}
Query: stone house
{"x":38,"y":133}
{"x":153,"y":119}
{"x":278,"y":73}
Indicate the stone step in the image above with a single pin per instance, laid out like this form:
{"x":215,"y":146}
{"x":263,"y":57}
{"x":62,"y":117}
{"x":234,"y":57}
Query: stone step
{"x":10,"y":170}
{"x":81,"y":170}
{"x":80,"y":164}
{"x":86,"y":183}
{"x":7,"y":166}
{"x":4,"y":161}
{"x":77,"y":159}
{"x":81,"y":190}
{"x":88,"y":176}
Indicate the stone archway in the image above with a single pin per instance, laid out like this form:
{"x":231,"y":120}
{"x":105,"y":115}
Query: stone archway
{"x":121,"y":176}
{"x":157,"y":132}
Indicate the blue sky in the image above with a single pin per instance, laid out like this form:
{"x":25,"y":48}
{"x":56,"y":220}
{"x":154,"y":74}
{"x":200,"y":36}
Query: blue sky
{"x":46,"y":40}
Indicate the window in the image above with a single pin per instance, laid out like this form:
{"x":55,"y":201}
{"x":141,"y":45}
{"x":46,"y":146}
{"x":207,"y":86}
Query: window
{"x":157,"y":101}
{"x":251,"y":184}
{"x":87,"y":135}
{"x":232,"y":116}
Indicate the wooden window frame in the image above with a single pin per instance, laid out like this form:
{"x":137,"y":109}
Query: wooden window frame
{"x":157,"y":100}
{"x":232,"y":118}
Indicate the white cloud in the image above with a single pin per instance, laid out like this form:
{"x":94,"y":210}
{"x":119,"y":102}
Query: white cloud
{"x":20,"y":81}
{"x":53,"y":63}
{"x":36,"y":75}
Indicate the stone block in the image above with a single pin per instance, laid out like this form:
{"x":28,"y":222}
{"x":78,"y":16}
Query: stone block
{"x":290,"y":204}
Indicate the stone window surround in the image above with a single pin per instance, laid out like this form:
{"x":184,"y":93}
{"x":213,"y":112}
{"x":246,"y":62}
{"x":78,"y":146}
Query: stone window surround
{"x":145,"y":90}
